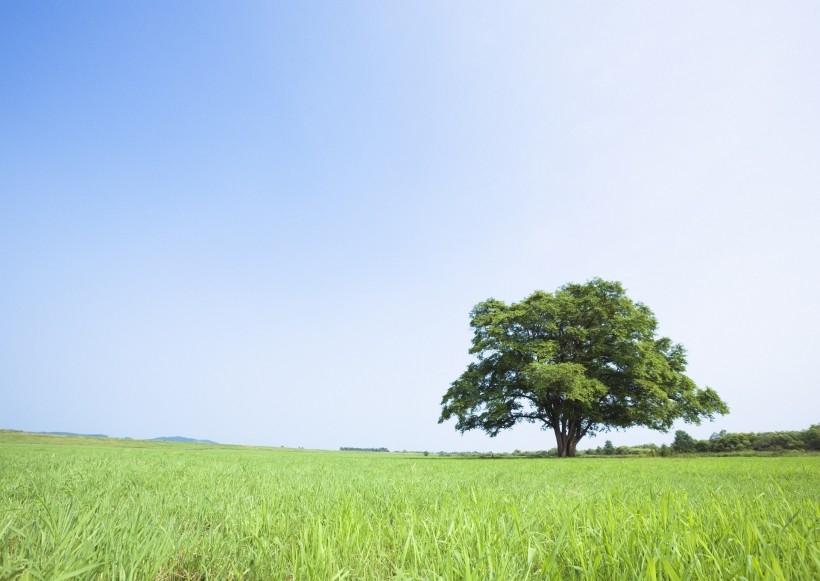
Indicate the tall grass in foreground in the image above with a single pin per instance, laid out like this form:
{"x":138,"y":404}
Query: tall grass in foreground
{"x":200,"y":512}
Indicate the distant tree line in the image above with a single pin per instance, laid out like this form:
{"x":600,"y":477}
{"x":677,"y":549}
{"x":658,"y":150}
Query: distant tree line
{"x":723,"y":441}
{"x":348,"y":449}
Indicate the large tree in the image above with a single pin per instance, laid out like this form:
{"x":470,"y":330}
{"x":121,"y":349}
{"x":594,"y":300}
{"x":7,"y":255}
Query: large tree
{"x":577,"y":361}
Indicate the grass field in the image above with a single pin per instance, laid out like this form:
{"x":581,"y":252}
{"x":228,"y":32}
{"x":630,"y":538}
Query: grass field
{"x":114,"y":509}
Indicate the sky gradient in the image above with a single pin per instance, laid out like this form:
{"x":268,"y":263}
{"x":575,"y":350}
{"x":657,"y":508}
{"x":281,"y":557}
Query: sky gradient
{"x":266,"y":223}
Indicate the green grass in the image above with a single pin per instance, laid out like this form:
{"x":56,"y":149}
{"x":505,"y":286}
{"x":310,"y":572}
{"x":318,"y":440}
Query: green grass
{"x":116,"y":509}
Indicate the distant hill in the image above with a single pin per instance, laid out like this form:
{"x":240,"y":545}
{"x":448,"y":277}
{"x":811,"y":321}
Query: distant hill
{"x":181,"y":439}
{"x":161,"y":439}
{"x":72,"y":434}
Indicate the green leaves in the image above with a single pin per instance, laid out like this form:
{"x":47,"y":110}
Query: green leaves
{"x":582,"y":358}
{"x":565,"y":380}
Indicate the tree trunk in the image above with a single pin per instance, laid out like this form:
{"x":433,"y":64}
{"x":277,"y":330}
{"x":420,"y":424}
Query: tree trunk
{"x":566,"y":442}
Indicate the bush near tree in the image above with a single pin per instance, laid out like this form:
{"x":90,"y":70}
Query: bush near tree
{"x":811,"y":437}
{"x":684,"y":443}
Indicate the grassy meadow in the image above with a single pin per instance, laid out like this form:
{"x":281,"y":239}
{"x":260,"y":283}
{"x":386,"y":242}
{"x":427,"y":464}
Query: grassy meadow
{"x":77,"y":508}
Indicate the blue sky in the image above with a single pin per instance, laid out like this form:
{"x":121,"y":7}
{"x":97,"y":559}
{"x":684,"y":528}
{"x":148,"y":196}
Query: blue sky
{"x":266,"y":223}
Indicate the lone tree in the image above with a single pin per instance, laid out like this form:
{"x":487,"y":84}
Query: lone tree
{"x":578,"y":361}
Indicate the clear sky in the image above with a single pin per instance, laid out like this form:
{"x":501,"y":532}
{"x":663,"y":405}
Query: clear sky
{"x":267,"y":222}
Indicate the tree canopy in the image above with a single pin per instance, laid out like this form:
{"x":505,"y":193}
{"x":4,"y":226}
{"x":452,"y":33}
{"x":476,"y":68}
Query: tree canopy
{"x":580,"y":360}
